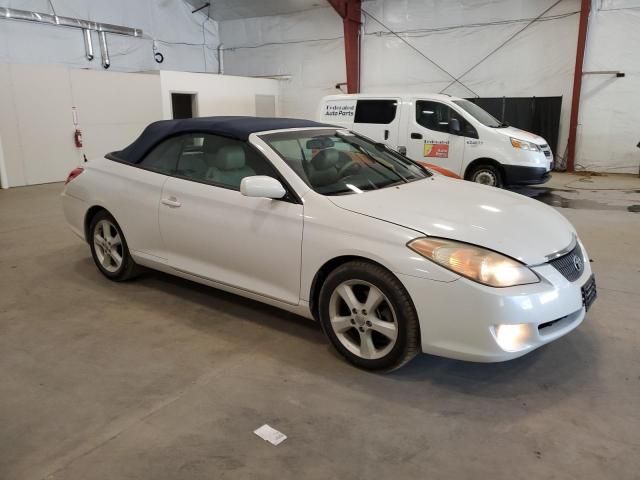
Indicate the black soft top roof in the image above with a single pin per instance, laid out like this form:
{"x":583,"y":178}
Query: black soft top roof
{"x":232,"y":127}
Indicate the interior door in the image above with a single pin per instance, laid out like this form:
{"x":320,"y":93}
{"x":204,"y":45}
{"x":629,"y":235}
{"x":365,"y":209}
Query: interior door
{"x":378,"y":119}
{"x":429,"y":138}
{"x":213,"y":231}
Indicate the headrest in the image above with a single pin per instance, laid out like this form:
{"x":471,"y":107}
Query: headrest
{"x":230,"y":157}
{"x":325,"y":159}
{"x":211,"y":144}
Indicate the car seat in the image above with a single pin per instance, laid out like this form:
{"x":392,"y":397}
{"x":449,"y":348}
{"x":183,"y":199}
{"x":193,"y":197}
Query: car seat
{"x":229,"y":166}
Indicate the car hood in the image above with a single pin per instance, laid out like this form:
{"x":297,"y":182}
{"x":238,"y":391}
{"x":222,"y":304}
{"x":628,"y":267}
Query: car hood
{"x":503,"y":221}
{"x":521,"y":135}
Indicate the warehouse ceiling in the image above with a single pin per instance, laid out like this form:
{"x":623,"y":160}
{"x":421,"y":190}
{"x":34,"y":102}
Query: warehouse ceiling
{"x":234,"y":9}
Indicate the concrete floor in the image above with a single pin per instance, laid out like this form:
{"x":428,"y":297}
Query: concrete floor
{"x":165,"y":379}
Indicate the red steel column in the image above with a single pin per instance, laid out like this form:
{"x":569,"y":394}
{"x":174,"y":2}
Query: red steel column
{"x":577,"y":84}
{"x":350,"y":11}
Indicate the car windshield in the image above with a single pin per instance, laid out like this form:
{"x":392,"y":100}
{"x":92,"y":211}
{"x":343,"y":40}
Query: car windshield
{"x":479,"y":114}
{"x":340,"y":162}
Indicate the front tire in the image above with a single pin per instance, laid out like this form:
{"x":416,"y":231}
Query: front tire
{"x":487,"y":175}
{"x":369,"y":317}
{"x":109,"y":248}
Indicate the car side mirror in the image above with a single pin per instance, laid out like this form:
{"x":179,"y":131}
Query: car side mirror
{"x":262,"y":186}
{"x":454,"y":126}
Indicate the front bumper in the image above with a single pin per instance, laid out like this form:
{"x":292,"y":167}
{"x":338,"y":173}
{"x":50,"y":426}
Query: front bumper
{"x":460,"y":319}
{"x":523,"y":175}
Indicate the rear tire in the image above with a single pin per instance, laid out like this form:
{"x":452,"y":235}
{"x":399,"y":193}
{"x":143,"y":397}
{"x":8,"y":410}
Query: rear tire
{"x":369,"y":317}
{"x":486,"y":174}
{"x":109,"y":248}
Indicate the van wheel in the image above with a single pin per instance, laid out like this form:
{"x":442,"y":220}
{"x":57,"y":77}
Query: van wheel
{"x":487,"y":175}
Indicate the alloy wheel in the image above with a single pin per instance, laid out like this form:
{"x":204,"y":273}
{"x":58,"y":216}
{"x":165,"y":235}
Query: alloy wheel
{"x":363,"y":319}
{"x":108,"y":246}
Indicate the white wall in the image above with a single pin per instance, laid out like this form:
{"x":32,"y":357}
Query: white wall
{"x":539,"y":62}
{"x":179,"y":33}
{"x":113,"y":107}
{"x":36,"y":122}
{"x":609,"y":121}
{"x":263,"y":46}
{"x":216,"y":94}
{"x":456,"y":35}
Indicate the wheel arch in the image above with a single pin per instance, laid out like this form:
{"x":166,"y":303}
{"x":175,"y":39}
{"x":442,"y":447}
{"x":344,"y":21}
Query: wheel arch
{"x":483,"y":161}
{"x":88,"y":217}
{"x":325,"y":270}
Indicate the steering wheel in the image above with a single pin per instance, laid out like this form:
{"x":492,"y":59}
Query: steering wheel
{"x":350,"y":169}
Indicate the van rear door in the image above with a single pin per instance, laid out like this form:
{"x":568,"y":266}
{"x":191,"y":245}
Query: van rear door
{"x":378,"y":119}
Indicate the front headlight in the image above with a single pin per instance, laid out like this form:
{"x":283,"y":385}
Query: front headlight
{"x":524,"y":145}
{"x":476,"y":263}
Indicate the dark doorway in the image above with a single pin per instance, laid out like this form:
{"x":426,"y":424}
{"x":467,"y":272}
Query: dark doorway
{"x":539,"y":115}
{"x":183,"y":104}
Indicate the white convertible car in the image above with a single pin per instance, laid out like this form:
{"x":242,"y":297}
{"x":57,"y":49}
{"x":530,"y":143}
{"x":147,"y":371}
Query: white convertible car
{"x":391,"y":258}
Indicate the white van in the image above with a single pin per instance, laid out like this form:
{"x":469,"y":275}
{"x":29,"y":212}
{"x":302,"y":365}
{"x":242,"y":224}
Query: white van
{"x":450,"y":132}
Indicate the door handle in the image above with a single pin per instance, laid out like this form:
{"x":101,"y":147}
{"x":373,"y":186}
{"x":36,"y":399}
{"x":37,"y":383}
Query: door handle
{"x":386,"y":134}
{"x":416,"y":136}
{"x":171,"y":202}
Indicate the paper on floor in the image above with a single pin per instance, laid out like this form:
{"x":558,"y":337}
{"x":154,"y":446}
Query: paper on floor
{"x":270,"y":434}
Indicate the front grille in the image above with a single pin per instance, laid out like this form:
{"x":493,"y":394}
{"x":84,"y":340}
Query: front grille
{"x":547,"y":153}
{"x":570,"y":265}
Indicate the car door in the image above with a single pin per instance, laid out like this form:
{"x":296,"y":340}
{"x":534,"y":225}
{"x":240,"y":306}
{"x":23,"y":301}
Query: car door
{"x":378,"y":119}
{"x":214,"y":232}
{"x":430,"y":139}
{"x":138,"y":189}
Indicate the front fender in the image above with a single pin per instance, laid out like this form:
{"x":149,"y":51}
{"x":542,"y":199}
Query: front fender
{"x":331,"y":232}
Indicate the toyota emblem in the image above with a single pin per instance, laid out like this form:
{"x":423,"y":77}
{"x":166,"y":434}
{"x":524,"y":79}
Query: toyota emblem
{"x":577,"y":262}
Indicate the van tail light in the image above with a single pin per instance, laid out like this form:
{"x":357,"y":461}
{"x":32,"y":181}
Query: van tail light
{"x":73,"y":174}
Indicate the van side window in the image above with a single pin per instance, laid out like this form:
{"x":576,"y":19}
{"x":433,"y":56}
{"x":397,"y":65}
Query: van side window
{"x":376,"y":111}
{"x":436,"y":116}
{"x":433,"y":115}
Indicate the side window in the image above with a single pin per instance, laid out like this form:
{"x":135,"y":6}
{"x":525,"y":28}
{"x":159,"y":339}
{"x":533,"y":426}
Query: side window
{"x":220,"y":161}
{"x":436,"y":116}
{"x":164,"y":156}
{"x":468,"y":130}
{"x":375,"y":111}
{"x":433,"y":115}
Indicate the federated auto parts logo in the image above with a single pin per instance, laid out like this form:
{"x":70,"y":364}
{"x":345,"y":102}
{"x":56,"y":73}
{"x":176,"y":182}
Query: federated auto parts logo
{"x":340,"y":110}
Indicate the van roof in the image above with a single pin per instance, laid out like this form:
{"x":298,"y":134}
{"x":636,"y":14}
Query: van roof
{"x":401,"y":96}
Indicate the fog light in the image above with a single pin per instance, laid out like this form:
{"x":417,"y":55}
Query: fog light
{"x":512,"y":337}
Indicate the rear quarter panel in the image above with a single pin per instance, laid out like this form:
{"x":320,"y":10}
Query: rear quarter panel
{"x":130,"y":194}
